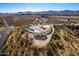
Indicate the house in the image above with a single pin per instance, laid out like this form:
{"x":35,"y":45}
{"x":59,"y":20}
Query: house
{"x":40,"y":35}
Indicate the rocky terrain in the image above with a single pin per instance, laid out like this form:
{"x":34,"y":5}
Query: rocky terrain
{"x":63,"y":42}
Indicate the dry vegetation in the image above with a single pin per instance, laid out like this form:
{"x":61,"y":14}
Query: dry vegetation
{"x":74,"y":17}
{"x":63,"y":42}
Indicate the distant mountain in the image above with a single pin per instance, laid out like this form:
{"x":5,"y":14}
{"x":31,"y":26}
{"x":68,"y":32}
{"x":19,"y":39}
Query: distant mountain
{"x":50,"y":12}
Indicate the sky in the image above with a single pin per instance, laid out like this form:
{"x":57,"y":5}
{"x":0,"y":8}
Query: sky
{"x":22,"y":7}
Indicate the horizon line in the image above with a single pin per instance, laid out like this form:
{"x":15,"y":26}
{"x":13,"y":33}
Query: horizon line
{"x":38,"y":11}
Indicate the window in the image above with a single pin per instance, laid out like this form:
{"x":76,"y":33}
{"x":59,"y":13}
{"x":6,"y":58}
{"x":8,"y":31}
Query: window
{"x":40,"y":37}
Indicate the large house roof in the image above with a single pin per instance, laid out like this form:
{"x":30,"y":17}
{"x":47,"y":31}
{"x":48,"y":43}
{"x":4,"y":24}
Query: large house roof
{"x":38,"y":28}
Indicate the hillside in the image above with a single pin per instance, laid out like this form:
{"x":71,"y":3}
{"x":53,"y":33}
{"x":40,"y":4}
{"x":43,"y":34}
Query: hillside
{"x":63,"y":42}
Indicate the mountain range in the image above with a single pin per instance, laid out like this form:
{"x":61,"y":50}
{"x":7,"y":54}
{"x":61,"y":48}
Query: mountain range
{"x":50,"y":12}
